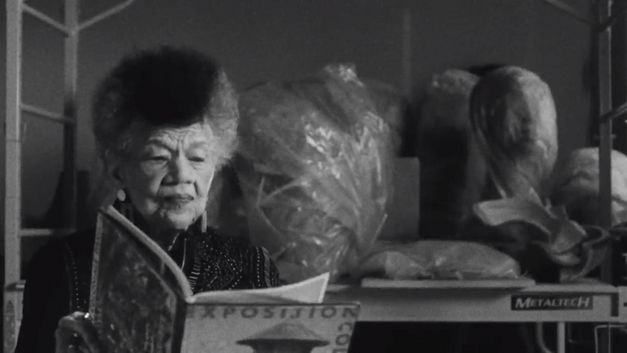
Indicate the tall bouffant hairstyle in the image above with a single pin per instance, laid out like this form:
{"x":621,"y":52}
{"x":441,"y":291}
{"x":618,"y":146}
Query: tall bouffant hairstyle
{"x":164,"y":87}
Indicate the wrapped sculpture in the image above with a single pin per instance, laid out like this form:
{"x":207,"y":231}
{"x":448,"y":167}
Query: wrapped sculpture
{"x":314,"y":168}
{"x":514,"y":122}
{"x":451,"y":170}
{"x":549,"y":246}
{"x":577,"y":186}
{"x":438,"y":259}
{"x":392,"y":107}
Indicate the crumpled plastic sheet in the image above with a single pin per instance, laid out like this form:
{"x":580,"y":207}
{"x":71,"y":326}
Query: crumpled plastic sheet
{"x":547,"y":244}
{"x":439,"y":259}
{"x":315,"y":170}
{"x":577,"y":186}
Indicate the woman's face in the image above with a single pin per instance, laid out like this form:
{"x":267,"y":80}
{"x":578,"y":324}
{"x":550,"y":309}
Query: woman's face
{"x":169,"y":173}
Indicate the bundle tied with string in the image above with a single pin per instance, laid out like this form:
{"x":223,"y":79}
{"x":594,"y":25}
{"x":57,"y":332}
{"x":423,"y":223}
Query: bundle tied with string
{"x":314,"y":166}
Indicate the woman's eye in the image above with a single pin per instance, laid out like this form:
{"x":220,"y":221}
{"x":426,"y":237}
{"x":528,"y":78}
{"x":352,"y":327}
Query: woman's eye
{"x":158,"y":158}
{"x":197,"y":156}
{"x":197,"y":159}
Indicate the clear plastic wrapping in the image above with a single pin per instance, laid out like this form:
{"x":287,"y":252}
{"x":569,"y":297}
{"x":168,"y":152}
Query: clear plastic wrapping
{"x":577,"y":186}
{"x":315,"y":170}
{"x":439,"y":259}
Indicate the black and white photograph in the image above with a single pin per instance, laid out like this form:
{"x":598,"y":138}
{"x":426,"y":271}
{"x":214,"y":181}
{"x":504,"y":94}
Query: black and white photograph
{"x":313,"y":176}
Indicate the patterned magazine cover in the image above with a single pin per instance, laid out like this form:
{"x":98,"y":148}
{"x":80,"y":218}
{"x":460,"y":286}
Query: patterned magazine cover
{"x":142,"y":302}
{"x":269,"y":328}
{"x":136,"y":301}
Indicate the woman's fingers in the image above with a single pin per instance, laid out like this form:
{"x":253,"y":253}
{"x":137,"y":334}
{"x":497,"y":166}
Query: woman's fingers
{"x":76,"y":334}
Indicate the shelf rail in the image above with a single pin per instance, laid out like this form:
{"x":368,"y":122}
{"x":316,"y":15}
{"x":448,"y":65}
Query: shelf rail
{"x":13,"y":140}
{"x":45,"y":18}
{"x":602,"y":22}
{"x":585,"y":17}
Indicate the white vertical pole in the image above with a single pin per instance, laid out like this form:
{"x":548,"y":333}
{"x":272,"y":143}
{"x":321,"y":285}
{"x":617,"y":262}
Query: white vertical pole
{"x":12,"y":165}
{"x":561,"y":337}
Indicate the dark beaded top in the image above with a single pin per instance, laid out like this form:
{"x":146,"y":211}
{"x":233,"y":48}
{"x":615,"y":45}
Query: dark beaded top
{"x":59,"y":276}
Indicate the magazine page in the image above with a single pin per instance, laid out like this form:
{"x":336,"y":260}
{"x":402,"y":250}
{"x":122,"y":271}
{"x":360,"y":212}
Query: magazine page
{"x":136,"y":298}
{"x":310,"y":290}
{"x":278,"y":328}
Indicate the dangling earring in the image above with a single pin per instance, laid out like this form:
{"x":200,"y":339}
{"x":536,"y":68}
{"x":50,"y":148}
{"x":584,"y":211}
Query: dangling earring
{"x":203,"y":222}
{"x":124,"y":206}
{"x":121,"y":195}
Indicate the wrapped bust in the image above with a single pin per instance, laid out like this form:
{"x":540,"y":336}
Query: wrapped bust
{"x":514,"y":126}
{"x":577,"y":186}
{"x":315,"y":170}
{"x":514,"y":122}
{"x":391,"y":107}
{"x":451,"y":173}
{"x":548,"y":245}
{"x":438,"y":259}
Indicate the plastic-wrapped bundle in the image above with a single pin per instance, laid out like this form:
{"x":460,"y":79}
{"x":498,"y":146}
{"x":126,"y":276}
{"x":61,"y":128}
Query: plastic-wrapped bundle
{"x":315,"y":170}
{"x":577,"y":186}
{"x":514,"y":121}
{"x":439,"y":259}
{"x":547,"y":244}
{"x":391,"y":107}
{"x":451,"y":171}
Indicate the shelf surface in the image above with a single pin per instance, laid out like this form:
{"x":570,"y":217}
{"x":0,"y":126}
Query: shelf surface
{"x":484,"y":301}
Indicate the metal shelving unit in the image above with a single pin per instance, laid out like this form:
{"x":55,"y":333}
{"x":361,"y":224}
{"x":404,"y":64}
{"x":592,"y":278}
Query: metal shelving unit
{"x":465,"y":301}
{"x":601,"y":24}
{"x":70,"y":28}
{"x":473,"y":301}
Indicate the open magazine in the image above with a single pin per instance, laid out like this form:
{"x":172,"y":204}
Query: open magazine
{"x":142,"y":302}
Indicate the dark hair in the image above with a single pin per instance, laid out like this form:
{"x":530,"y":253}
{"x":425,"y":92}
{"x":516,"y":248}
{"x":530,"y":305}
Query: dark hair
{"x":164,"y":87}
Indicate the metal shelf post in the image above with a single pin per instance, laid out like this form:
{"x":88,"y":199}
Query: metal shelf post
{"x":13,"y":231}
{"x":12,"y":170}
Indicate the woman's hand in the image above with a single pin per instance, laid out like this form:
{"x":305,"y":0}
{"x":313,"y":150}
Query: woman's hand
{"x":76,"y":334}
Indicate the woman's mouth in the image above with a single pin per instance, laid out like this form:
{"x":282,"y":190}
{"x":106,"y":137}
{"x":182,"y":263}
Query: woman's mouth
{"x":177,"y":200}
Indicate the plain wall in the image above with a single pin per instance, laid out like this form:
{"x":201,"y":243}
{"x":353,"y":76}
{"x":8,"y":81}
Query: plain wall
{"x":282,"y":39}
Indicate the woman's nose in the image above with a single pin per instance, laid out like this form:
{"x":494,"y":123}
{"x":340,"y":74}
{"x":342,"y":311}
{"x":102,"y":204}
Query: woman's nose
{"x":181,"y":171}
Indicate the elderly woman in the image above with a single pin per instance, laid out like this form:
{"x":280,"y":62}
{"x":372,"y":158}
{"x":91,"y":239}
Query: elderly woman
{"x":165,"y":121}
